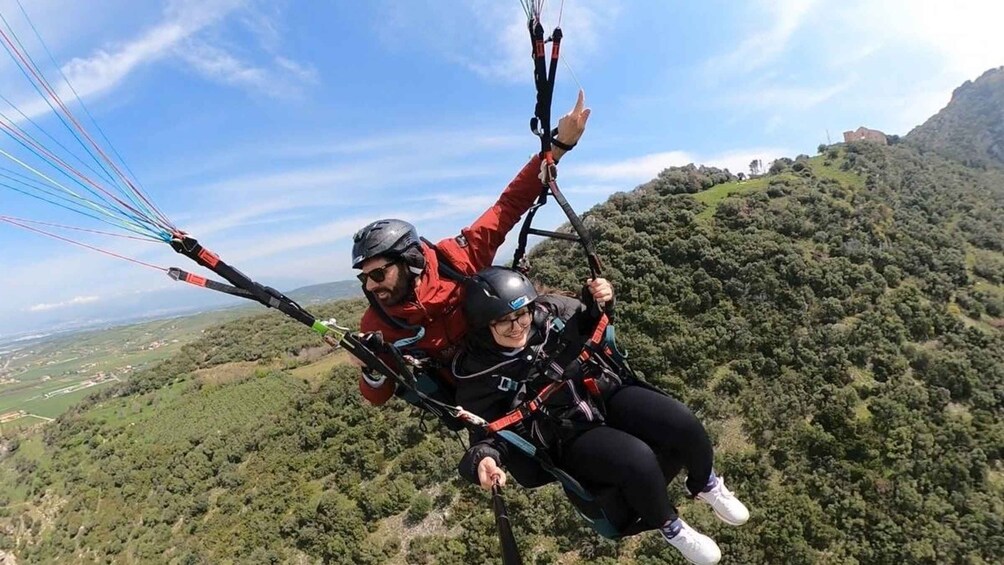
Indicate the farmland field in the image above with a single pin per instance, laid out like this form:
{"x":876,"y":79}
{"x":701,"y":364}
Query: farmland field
{"x":43,"y":378}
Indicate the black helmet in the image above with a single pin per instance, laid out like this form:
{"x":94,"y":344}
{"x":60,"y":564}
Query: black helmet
{"x":383,"y":237}
{"x":495,"y":292}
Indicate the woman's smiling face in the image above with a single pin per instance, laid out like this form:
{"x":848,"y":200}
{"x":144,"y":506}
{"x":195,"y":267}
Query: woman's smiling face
{"x":512,"y":330}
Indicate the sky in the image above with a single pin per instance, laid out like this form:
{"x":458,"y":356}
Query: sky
{"x":273,"y":130}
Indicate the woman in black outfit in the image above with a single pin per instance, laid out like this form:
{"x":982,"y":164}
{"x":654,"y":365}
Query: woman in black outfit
{"x":600,"y":430}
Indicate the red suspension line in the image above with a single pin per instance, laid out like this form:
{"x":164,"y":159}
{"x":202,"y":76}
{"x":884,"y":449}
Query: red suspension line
{"x":91,"y":247}
{"x":69,"y":115}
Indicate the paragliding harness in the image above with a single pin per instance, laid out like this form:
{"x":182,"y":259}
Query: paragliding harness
{"x":601,"y":367}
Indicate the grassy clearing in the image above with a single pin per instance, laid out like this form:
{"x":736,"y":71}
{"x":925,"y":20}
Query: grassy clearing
{"x":862,"y":413}
{"x":23,"y":423}
{"x":959,"y":411}
{"x":732,"y":439}
{"x":128,"y":410}
{"x":834,"y":172}
{"x":861,"y":376}
{"x":996,"y":480}
{"x":978,"y":324}
{"x":714,"y":195}
{"x":31,"y":448}
{"x":55,"y":405}
{"x":34,"y":399}
{"x":227,"y":373}
{"x":989,"y":288}
{"x":718,"y":374}
{"x":320,"y":369}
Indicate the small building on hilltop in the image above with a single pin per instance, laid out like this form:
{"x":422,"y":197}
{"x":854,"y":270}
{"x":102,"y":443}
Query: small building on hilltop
{"x":865,"y":134}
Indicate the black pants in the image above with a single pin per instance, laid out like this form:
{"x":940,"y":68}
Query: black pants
{"x":648,"y":438}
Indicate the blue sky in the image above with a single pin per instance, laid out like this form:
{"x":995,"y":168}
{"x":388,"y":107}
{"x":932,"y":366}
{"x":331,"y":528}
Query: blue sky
{"x":272,"y":130}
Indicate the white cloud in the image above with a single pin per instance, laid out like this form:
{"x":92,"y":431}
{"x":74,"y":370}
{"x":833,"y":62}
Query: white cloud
{"x":633,"y":169}
{"x":490,"y":38}
{"x":890,"y":63}
{"x":299,"y":71}
{"x":508,"y":59}
{"x":965,"y":34}
{"x":282,"y":79}
{"x":327,"y":177}
{"x":177,"y":35}
{"x":107,"y":67}
{"x":775,"y":22}
{"x":947,"y":44}
{"x":218,"y":64}
{"x":794,"y":97}
{"x":738,"y":161}
{"x":75,"y":301}
{"x":326,"y":234}
{"x":264,"y":26}
{"x":581,"y":21}
{"x":595,"y":189}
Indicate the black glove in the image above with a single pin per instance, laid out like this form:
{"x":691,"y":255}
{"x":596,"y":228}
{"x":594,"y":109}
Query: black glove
{"x":373,"y":340}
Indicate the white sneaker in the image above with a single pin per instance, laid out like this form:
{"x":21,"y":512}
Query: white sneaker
{"x":693,"y":545}
{"x":725,"y":504}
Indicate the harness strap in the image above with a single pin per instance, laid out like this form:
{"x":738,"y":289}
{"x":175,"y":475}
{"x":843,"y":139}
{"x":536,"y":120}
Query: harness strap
{"x":596,"y":339}
{"x":446,"y":269}
{"x":402,"y":376}
{"x":524,"y":410}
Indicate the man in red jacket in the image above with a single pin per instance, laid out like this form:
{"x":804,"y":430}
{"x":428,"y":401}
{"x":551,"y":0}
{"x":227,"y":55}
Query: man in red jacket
{"x":411,"y":303}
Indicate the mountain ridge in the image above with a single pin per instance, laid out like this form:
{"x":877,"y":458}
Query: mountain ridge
{"x":970,"y":129}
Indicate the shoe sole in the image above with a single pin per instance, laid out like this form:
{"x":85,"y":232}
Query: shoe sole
{"x":689,"y":560}
{"x":726,"y":520}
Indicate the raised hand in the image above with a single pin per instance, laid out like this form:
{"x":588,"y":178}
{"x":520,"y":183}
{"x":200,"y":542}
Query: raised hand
{"x":572,"y":125}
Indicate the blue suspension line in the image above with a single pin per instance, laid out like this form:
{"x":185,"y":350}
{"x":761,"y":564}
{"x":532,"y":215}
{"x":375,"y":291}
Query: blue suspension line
{"x":73,"y":179}
{"x":129,"y":193}
{"x":142,"y":230}
{"x":99,"y":172}
{"x":36,"y":86}
{"x":109,"y":211}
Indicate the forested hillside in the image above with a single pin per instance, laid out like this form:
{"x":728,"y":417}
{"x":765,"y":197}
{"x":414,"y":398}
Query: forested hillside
{"x":836,"y":323}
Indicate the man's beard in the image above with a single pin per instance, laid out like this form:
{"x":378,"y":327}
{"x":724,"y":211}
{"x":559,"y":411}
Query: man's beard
{"x":396,"y":295}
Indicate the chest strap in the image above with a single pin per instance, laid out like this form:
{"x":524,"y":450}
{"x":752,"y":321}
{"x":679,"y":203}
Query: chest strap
{"x":526,"y":409}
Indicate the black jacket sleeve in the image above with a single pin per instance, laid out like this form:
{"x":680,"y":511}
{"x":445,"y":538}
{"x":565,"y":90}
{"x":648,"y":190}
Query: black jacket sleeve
{"x":525,"y":469}
{"x":487,"y":447}
{"x":580,"y":317}
{"x":564,"y":307}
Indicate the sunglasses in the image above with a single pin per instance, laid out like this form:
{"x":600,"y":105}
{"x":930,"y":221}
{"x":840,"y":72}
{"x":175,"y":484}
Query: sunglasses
{"x":378,"y":274}
{"x":521,"y":317}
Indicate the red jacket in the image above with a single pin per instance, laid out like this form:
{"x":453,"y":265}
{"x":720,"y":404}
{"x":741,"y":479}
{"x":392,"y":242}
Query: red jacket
{"x":438,"y":301}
